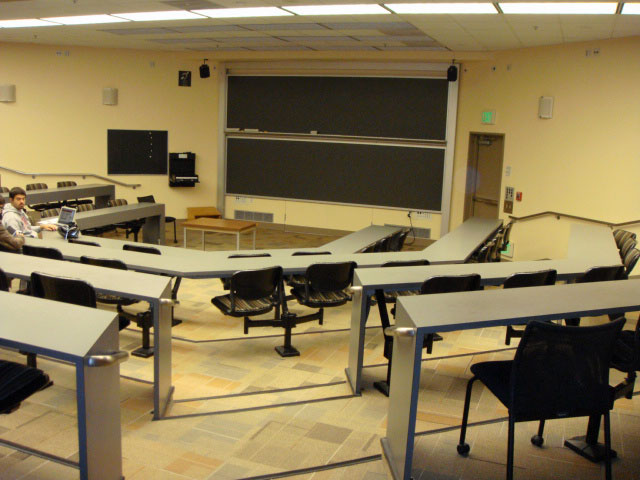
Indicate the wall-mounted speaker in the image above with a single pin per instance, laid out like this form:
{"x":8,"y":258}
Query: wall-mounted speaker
{"x":204,"y":71}
{"x":545,"y":107}
{"x":452,"y":73}
{"x":109,"y":96}
{"x":7,"y":93}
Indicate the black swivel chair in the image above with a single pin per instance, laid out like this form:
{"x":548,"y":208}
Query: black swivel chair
{"x":597,"y":274}
{"x":621,"y":236}
{"x":43,"y":252}
{"x":150,"y":199}
{"x":144,"y":320}
{"x":17,"y":383}
{"x":527,"y":279}
{"x":626,"y":358}
{"x":557,"y":372}
{"x":40,"y":206}
{"x":433,"y":285}
{"x":256,"y":292}
{"x":396,"y":242}
{"x":132,"y":227}
{"x":298,"y":280}
{"x":50,"y":212}
{"x":77,"y":202}
{"x":628,"y":244}
{"x":629,"y":261}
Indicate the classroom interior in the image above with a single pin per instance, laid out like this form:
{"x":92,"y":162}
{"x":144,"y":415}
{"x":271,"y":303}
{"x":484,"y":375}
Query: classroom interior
{"x":240,"y":410}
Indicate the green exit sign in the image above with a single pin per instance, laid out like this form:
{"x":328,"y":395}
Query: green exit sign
{"x":489,"y":117}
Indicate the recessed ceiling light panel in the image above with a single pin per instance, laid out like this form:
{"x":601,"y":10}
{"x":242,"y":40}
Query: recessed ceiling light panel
{"x":631,"y":9}
{"x":450,"y":8}
{"x":560,"y":8}
{"x":243,"y":12}
{"x":157,"y":16}
{"x":358,"y":9}
{"x":85,"y":19}
{"x":26,"y":22}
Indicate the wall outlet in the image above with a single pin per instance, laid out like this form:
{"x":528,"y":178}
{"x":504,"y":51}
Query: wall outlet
{"x":423,"y":215}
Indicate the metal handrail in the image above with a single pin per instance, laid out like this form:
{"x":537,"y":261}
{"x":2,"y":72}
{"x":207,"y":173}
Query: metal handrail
{"x":83,"y":175}
{"x":575,"y":217}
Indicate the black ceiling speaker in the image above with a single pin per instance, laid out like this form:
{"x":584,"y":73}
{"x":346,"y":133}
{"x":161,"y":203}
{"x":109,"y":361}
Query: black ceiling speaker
{"x":452,"y":73}
{"x":204,"y":70}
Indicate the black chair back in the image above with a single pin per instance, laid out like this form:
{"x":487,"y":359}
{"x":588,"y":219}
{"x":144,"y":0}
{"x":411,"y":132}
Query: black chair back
{"x":255,"y":284}
{"x":450,"y":284}
{"x":573,"y":360}
{"x":630,"y":260}
{"x":85,"y":207}
{"x":103,"y":262}
{"x":68,"y":290}
{"x":67,"y":183}
{"x":50,"y":212}
{"x":142,"y":249}
{"x":4,"y":281}
{"x":601,"y":274}
{"x":407,"y":263}
{"x":300,"y":254}
{"x":628,"y":244}
{"x":83,"y":242}
{"x":43,"y":252}
{"x":506,"y":232}
{"x":36,"y":186}
{"x":329,"y":277}
{"x":249,"y":255}
{"x":146,"y":199}
{"x":396,"y":242}
{"x":531,"y":279}
{"x":621,"y":236}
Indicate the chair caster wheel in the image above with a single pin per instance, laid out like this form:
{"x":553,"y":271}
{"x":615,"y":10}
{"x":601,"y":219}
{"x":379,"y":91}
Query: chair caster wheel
{"x":463,"y":449}
{"x":537,"y":440}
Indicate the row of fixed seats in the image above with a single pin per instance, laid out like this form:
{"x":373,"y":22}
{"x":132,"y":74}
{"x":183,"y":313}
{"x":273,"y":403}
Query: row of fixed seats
{"x":490,"y":250}
{"x":626,"y":242}
{"x":392,"y":243}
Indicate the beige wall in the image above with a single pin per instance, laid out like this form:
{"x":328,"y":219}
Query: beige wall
{"x":585,"y":161}
{"x":58,"y":123}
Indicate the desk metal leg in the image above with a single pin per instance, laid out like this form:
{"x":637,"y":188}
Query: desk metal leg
{"x":237,"y":240}
{"x":588,"y":446}
{"x":98,"y":395}
{"x":162,"y":388}
{"x":397,"y":445}
{"x":185,"y":237}
{"x":153,"y":230}
{"x":254,"y":238}
{"x":203,"y":241}
{"x":359,"y":313}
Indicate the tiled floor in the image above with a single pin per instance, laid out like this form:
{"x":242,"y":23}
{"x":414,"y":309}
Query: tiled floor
{"x":241,"y":411}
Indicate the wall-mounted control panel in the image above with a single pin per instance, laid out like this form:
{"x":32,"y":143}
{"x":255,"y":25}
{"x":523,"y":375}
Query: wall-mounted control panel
{"x":508,"y":199}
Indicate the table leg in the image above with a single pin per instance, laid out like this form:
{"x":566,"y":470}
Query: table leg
{"x":162,"y":388}
{"x":98,"y":398}
{"x":237,"y":240}
{"x":185,"y":237}
{"x":153,"y":230}
{"x":359,"y":313}
{"x":588,"y":446}
{"x":203,"y":241}
{"x":254,"y":238}
{"x":397,"y":445}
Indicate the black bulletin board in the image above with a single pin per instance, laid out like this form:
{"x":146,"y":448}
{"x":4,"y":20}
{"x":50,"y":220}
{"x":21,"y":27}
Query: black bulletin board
{"x":386,"y":176}
{"x":137,"y":152}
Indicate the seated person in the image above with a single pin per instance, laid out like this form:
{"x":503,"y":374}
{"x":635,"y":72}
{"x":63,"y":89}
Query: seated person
{"x":15,"y":219}
{"x":8,"y":241}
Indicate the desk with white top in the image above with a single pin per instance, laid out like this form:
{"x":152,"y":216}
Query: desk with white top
{"x":88,"y":338}
{"x":420,"y":315}
{"x":149,"y":288}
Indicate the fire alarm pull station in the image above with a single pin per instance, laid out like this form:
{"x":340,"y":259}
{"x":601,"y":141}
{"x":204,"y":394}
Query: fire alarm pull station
{"x":519,"y":196}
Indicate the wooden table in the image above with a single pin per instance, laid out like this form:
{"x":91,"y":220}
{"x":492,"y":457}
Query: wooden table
{"x":220,"y":225}
{"x":194,"y":213}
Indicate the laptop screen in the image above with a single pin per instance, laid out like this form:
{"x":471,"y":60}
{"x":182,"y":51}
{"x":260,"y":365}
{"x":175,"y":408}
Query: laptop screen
{"x":67,"y":214}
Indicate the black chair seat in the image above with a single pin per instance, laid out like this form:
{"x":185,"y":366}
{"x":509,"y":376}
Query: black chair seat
{"x":243,"y":307}
{"x":493,"y":375}
{"x":316,"y":299}
{"x":18,"y":382}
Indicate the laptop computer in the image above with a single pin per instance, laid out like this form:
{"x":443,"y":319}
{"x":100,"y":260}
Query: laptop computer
{"x":66,"y":218}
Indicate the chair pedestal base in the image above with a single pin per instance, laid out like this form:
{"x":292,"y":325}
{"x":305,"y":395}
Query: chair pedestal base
{"x":143,"y":352}
{"x":382,"y":387}
{"x":594,"y":452}
{"x":287,"y":351}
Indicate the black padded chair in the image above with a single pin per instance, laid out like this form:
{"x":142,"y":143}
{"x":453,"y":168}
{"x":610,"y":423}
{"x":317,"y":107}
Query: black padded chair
{"x":557,"y":372}
{"x":298,"y":280}
{"x":392,"y":295}
{"x":433,"y":285}
{"x":482,"y":255}
{"x":628,"y":244}
{"x":43,"y":252}
{"x":226,"y":281}
{"x":83,"y":242}
{"x":76,"y":202}
{"x":506,"y":234}
{"x":19,"y":382}
{"x":527,"y":279}
{"x":144,"y":320}
{"x":130,"y":228}
{"x":626,"y":358}
{"x":50,"y":212}
{"x":176,"y":283}
{"x":150,"y":199}
{"x":621,"y":236}
{"x":4,"y":281}
{"x":597,"y":274}
{"x":256,"y":292}
{"x":396,"y":242}
{"x":30,"y":187}
{"x":629,"y":261}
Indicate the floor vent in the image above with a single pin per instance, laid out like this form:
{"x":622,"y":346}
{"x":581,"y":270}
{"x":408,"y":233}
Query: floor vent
{"x":253,"y":216}
{"x":419,"y":232}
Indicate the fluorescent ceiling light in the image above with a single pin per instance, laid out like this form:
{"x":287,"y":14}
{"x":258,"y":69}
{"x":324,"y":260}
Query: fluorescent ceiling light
{"x":25,"y":22}
{"x":359,"y":9}
{"x":85,"y":19}
{"x":151,"y":16}
{"x":451,"y":8}
{"x":591,"y":8}
{"x":631,"y":9}
{"x":243,"y":12}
